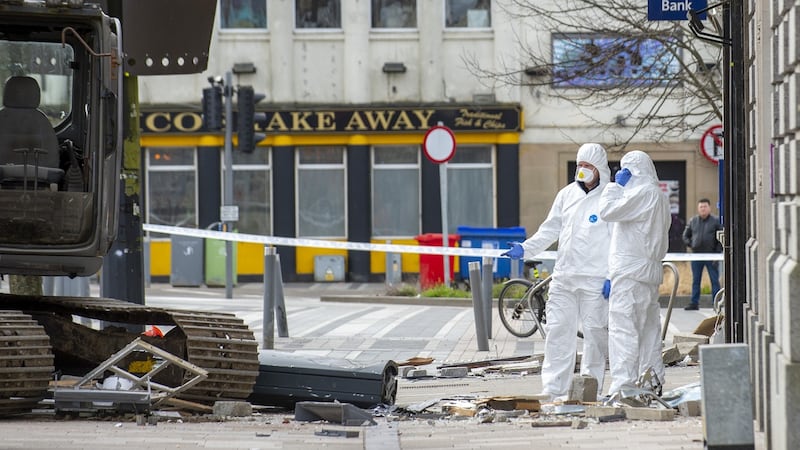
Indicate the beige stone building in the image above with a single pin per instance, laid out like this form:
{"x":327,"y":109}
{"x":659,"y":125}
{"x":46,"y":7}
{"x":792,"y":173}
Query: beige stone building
{"x":403,"y":67}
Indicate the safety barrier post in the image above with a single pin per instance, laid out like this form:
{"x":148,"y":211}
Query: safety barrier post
{"x":280,"y":304}
{"x":486,"y":283}
{"x":268,"y":332}
{"x":477,"y":305}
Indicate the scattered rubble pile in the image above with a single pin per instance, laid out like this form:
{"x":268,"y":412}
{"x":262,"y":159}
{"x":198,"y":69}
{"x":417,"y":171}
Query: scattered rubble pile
{"x":129,"y":392}
{"x":581,"y":406}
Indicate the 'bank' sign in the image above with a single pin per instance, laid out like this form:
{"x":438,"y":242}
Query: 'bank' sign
{"x":674,"y":9}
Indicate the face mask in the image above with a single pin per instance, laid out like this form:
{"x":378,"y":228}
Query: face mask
{"x":584,"y":174}
{"x":673,"y":209}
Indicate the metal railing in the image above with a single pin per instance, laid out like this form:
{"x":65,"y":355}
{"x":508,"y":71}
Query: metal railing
{"x":676,"y":277}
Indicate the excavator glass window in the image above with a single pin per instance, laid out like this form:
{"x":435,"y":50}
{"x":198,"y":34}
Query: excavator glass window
{"x":48,"y":63}
{"x":45,"y":171}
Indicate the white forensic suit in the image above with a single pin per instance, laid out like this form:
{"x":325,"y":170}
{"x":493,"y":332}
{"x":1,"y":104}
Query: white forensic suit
{"x":640,"y":214}
{"x":576,"y":290}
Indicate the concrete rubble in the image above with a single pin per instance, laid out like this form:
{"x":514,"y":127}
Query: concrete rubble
{"x":580,"y":410}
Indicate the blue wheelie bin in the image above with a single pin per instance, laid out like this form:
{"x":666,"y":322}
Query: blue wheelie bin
{"x":497,"y":238}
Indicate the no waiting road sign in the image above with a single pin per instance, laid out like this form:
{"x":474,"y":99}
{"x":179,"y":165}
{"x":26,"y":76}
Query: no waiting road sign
{"x":711,"y":144}
{"x":439,"y":144}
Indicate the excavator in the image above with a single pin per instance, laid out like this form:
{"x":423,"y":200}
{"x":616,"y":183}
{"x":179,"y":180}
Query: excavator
{"x":61,"y":136}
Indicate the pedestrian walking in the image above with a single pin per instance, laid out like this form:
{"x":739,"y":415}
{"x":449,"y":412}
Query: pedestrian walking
{"x":700,"y":235}
{"x":639,"y":211}
{"x":576,"y":290}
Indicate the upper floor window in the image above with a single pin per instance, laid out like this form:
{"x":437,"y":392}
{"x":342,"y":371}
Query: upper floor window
{"x":318,"y":14}
{"x":243,"y":14}
{"x":581,"y":60}
{"x":468,"y":13}
{"x":394,"y":13}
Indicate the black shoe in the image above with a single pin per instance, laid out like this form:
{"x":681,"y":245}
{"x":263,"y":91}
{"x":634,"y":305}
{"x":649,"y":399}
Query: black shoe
{"x":691,"y":307}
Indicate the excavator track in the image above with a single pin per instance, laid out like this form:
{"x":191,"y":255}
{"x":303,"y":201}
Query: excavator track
{"x":26,"y":363}
{"x":218,"y":342}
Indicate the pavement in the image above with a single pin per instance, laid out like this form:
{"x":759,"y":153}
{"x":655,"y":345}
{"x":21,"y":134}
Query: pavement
{"x":359,"y":322}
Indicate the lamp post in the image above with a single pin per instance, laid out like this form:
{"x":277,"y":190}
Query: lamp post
{"x":227,"y":191}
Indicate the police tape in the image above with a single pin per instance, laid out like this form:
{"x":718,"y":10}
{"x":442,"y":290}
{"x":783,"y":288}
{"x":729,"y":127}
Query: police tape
{"x":373,"y":247}
{"x":338,"y":245}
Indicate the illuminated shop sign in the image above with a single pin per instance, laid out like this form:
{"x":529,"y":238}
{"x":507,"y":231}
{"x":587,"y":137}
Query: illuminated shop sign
{"x":374,"y":120}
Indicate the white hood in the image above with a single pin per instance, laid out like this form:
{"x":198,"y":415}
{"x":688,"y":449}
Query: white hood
{"x":595,"y":155}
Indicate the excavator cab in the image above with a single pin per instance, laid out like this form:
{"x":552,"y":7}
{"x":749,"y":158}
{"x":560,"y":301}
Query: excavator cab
{"x":60,"y":137}
{"x":61,"y":126}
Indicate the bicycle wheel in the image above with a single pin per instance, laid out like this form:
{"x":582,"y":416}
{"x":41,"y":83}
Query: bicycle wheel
{"x":517,"y":308}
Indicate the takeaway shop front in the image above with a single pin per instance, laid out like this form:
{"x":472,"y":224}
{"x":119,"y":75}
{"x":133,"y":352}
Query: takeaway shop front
{"x":335,"y":173}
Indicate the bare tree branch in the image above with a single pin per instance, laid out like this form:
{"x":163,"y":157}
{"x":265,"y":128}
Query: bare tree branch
{"x":605,"y":55}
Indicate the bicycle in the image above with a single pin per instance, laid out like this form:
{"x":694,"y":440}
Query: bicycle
{"x":522,"y":303}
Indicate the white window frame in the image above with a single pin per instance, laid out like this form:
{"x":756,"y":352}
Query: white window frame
{"x":253,"y":168}
{"x":464,"y":28}
{"x":417,"y":166}
{"x":413,"y":29}
{"x":169,"y":168}
{"x":242,"y":30}
{"x":338,"y":29}
{"x":324,"y":166}
{"x":454,"y":166}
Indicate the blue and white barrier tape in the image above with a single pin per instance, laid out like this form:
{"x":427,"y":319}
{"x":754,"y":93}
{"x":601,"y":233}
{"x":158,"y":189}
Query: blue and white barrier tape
{"x":371,"y":247}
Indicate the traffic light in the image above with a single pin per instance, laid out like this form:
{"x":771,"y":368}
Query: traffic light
{"x":212,"y":108}
{"x":245,"y":122}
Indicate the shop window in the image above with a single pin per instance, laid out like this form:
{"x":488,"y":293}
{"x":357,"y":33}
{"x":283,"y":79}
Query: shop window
{"x":468,"y":13}
{"x":252,"y":192}
{"x":395,"y":191}
{"x":394,"y":13}
{"x":243,"y":14}
{"x":321,"y":208}
{"x":171,"y":187}
{"x":470,"y":188}
{"x":318,"y":14}
{"x":581,"y":60}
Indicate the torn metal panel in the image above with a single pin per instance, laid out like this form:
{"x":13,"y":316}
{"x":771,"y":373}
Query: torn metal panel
{"x":94,"y":400}
{"x":153,"y":393}
{"x":343,"y":413}
{"x":287,"y":378}
{"x":683,"y":394}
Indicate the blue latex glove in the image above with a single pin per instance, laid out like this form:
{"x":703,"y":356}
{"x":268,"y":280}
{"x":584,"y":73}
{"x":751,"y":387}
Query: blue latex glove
{"x":515,"y":252}
{"x":606,"y":289}
{"x":622,"y":177}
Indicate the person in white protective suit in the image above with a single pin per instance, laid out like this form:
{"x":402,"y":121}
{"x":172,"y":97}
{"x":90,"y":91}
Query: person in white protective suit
{"x":639,"y":210}
{"x":581,"y":268}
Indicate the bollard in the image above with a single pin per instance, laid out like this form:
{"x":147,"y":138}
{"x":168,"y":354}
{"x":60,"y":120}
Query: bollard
{"x":726,"y":396}
{"x":268,"y":332}
{"x":280,"y":304}
{"x":487,"y":280}
{"x":514,"y":271}
{"x":477,"y":305}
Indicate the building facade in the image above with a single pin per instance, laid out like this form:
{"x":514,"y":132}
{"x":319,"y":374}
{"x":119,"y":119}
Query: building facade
{"x":768,"y":32}
{"x":350,"y":89}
